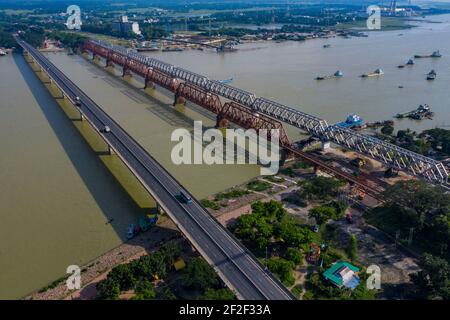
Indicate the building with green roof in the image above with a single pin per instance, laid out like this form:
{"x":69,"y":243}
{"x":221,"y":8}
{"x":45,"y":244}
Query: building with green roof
{"x":343,"y":274}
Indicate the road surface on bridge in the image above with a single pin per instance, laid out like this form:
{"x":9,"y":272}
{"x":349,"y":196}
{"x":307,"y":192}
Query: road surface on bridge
{"x":234,"y":263}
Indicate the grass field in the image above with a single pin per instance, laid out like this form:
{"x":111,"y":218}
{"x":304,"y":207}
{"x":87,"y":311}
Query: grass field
{"x":387,"y":24}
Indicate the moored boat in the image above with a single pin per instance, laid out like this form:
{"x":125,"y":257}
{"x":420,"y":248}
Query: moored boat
{"x":431,"y":75}
{"x":353,"y":120}
{"x":377,"y":72}
{"x":130,"y":231}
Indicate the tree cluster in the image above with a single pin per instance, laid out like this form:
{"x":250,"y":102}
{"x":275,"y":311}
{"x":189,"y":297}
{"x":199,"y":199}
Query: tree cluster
{"x":320,"y":188}
{"x":269,"y":223}
{"x":138,"y":274}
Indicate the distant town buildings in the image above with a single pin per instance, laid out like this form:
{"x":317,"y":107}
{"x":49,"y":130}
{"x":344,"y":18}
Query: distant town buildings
{"x":125,"y":26}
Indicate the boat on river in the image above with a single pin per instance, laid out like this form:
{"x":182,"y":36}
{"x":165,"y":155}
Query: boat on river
{"x":376,"y":73}
{"x":435,"y":54}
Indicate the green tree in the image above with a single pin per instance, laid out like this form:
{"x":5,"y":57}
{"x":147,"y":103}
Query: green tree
{"x":294,"y":255}
{"x":166,"y":294}
{"x":153,"y":32}
{"x":340,"y":208}
{"x":254,"y":228}
{"x":258,"y":227}
{"x":68,"y":39}
{"x":418,"y":196}
{"x":108,"y":289}
{"x":433,"y":281}
{"x":438,"y":229}
{"x":353,"y":248}
{"x":199,"y":275}
{"x":283,"y":269}
{"x":170,"y":251}
{"x":218,"y":294}
{"x":320,"y":188}
{"x":439,"y":139}
{"x":273,"y":210}
{"x":6,"y":39}
{"x":289,"y":232}
{"x":322,"y":214}
{"x":123,"y":276}
{"x":144,"y":291}
{"x":387,"y":129}
{"x":34,"y":36}
{"x":150,"y":265}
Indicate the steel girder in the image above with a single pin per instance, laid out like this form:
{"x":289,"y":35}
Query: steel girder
{"x":197,"y":95}
{"x":304,"y":121}
{"x":159,"y":65}
{"x":248,"y":119}
{"x":137,"y":67}
{"x":389,"y":154}
{"x":229,"y":92}
{"x":163,"y":80}
{"x":189,"y":76}
{"x":117,"y":58}
{"x":392,"y":155}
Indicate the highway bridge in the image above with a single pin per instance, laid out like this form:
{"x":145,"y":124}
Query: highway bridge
{"x":238,"y":268}
{"x":208,"y":93}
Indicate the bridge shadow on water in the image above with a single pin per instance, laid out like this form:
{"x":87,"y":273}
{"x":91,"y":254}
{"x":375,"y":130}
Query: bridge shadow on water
{"x":110,"y":196}
{"x":160,"y":109}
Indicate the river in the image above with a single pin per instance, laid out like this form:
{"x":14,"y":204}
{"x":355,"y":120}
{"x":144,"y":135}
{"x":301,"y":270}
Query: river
{"x":286,"y":72}
{"x":61,"y":203}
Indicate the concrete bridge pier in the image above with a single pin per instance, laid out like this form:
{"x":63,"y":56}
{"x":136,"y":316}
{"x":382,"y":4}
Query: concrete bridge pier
{"x":179,"y":100}
{"x":221,"y":122}
{"x":38,"y":68}
{"x":45,"y":77}
{"x":109,"y":63}
{"x":325,"y":145}
{"x":126,"y":74}
{"x":149,"y":84}
{"x":109,"y":66}
{"x":110,"y":150}
{"x":27,"y":57}
{"x":96,"y":59}
{"x":285,"y":155}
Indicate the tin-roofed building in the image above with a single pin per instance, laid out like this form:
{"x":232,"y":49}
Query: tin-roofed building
{"x":343,"y":274}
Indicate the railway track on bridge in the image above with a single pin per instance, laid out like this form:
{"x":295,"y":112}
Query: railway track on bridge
{"x":170,"y":77}
{"x":239,"y":269}
{"x":236,"y":113}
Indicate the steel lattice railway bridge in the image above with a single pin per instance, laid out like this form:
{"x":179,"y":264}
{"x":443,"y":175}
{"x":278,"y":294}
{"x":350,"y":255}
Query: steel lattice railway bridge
{"x":241,"y":107}
{"x":237,"y":267}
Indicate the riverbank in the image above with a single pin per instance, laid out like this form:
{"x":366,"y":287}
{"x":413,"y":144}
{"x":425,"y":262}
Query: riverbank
{"x":96,"y":270}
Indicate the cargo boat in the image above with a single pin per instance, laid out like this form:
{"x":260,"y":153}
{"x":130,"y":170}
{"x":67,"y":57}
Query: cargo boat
{"x":435,"y":54}
{"x":353,"y":120}
{"x":376,"y":73}
{"x":422,"y":112}
{"x":337,"y":74}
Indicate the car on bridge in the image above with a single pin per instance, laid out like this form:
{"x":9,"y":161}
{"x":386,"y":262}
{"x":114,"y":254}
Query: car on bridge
{"x":184,"y":197}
